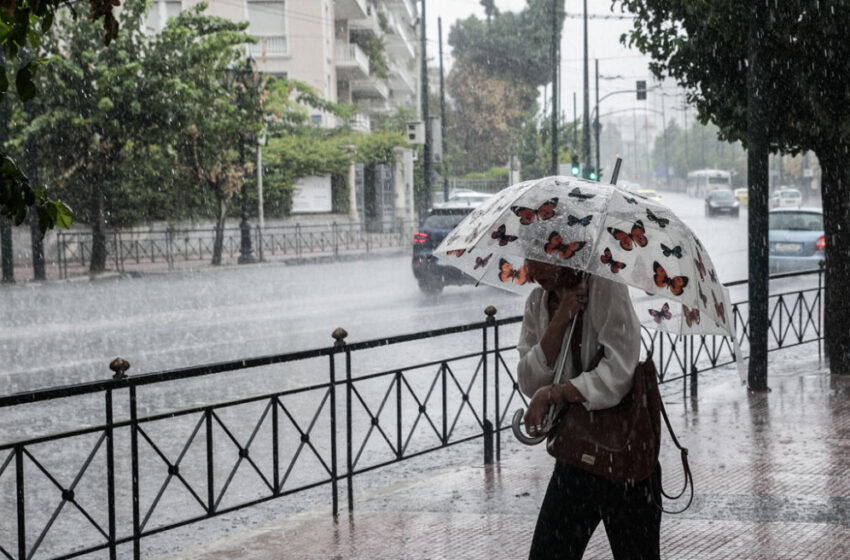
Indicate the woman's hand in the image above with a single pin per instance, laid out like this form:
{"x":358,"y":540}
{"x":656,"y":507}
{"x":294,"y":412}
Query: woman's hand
{"x":572,"y":300}
{"x":538,"y":408}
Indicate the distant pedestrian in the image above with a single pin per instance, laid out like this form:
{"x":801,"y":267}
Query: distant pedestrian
{"x":576,"y":500}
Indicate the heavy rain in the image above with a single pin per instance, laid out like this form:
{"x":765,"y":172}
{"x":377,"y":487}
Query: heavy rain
{"x":272,"y":275}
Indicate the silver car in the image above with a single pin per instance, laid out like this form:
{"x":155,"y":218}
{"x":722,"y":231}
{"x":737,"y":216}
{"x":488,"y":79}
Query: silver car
{"x":796,"y":239}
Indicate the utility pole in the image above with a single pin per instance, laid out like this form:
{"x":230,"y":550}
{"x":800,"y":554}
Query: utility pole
{"x":586,"y":132}
{"x":649,"y":168}
{"x":596,"y":125}
{"x":32,"y":177}
{"x":6,"y":255}
{"x":685,"y":120}
{"x":426,"y":196}
{"x":575,"y":123}
{"x":554,"y":87}
{"x":443,"y":112}
{"x":757,"y":176}
{"x":666,"y":159}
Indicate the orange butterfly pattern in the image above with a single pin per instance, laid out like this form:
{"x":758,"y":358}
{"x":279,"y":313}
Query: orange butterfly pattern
{"x":628,"y":240}
{"x":719,"y":309}
{"x":456,"y":252}
{"x":608,"y":258}
{"x":528,"y":215}
{"x":700,"y":266}
{"x":675,"y":284}
{"x":507,"y":273}
{"x":565,"y":250}
{"x":691,"y":315}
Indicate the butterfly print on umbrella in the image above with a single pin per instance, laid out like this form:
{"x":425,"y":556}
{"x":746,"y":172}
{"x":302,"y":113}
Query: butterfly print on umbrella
{"x":480,"y":262}
{"x":675,"y":251}
{"x":630,"y":200}
{"x":564,"y":250}
{"x":507,"y":273}
{"x":719,"y":309}
{"x":584,"y":222}
{"x":456,"y":252}
{"x":702,"y":296}
{"x":576,"y":193}
{"x":713,"y":275}
{"x":628,"y":240}
{"x":472,"y":235}
{"x":528,"y":215}
{"x":502,"y":237}
{"x":608,"y":258}
{"x":700,"y":266}
{"x":676,"y":284}
{"x":691,"y":315}
{"x":662,"y":222}
{"x":661,"y":314}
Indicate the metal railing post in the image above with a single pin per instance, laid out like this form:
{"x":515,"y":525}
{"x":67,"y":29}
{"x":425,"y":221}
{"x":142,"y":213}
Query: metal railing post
{"x":22,"y":518}
{"x":398,"y":452}
{"x":297,"y":241}
{"x":487,"y":425}
{"x":490,"y":312}
{"x":110,"y":474}
{"x":134,"y":454}
{"x":496,"y":398}
{"x":445,"y":434}
{"x":339,"y":335}
{"x":820,"y":322}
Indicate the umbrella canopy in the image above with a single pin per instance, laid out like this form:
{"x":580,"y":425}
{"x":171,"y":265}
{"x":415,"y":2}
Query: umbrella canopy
{"x":600,"y":229}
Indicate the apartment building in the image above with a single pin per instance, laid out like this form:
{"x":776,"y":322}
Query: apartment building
{"x":351,"y":51}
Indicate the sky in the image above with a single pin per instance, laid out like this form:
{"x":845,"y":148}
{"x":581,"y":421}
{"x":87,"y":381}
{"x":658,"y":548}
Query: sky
{"x":615,"y":60}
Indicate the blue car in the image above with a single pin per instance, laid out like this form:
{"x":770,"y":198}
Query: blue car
{"x":431,"y":274}
{"x":796,"y":239}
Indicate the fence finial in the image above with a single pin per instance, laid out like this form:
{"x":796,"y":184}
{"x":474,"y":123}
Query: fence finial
{"x":120,"y":366}
{"x":490,"y":311}
{"x":339,"y":335}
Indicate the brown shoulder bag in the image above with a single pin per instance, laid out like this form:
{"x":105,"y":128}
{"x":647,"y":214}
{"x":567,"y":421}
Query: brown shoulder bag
{"x":621,"y":443}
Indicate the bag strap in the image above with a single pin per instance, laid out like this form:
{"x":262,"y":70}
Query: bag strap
{"x":689,"y":480}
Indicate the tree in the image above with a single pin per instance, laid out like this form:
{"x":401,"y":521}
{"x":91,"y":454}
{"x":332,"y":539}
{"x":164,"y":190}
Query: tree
{"x":23,"y":23}
{"x":806,"y":93}
{"x":491,"y":112}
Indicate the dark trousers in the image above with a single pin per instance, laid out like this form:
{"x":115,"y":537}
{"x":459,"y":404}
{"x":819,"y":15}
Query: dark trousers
{"x":576,"y":501}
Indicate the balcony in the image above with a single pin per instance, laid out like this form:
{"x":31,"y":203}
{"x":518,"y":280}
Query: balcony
{"x":370,"y":88}
{"x":269,"y":46}
{"x":401,"y":80}
{"x":406,"y":7}
{"x":374,"y":105}
{"x":351,"y":62}
{"x":361,"y":123}
{"x":368,"y":23}
{"x":397,"y":40}
{"x":350,"y":9}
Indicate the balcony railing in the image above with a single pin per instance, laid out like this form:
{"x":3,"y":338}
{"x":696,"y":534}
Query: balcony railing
{"x":372,"y":87}
{"x":351,"y":62}
{"x":269,"y":45}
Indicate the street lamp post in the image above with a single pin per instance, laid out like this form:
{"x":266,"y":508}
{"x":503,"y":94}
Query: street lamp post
{"x":246,"y":81}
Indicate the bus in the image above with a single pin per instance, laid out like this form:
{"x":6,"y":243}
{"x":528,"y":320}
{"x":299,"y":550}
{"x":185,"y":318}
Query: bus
{"x":703,"y":181}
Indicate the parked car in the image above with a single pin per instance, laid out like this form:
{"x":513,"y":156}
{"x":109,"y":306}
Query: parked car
{"x":742,"y":195}
{"x":721,"y":201}
{"x":650,"y":194}
{"x":431,"y":274}
{"x":796,"y":239}
{"x":786,"y":198}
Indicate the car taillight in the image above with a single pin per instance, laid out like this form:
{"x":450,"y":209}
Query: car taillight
{"x":420,"y":237}
{"x":820,"y":245}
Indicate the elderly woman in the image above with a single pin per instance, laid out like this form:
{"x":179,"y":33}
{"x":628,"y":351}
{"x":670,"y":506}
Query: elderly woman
{"x":576,"y":500}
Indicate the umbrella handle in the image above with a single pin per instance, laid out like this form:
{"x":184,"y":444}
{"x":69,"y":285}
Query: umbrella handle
{"x":518,"y":433}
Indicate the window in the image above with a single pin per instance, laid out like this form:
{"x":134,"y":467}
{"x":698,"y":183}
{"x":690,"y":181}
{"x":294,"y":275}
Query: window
{"x":266,"y":18}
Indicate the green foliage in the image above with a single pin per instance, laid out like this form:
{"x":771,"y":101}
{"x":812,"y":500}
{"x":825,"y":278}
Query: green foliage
{"x":22,"y":24}
{"x":375,"y":48}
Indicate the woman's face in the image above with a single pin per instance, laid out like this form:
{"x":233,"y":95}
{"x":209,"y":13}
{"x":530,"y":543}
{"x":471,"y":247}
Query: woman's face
{"x":551,"y":276}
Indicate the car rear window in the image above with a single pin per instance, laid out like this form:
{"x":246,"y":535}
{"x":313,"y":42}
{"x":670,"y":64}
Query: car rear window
{"x":789,"y":194}
{"x":443,"y":221}
{"x":796,"y":221}
{"x":722,"y":195}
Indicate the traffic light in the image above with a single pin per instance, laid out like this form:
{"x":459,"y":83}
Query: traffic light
{"x":575,"y":167}
{"x":590,"y":173}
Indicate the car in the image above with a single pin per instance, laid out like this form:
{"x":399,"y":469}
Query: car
{"x":796,"y":239}
{"x":650,"y":194}
{"x":786,"y":198}
{"x":721,"y":201}
{"x":742,"y":195}
{"x":431,"y":274}
{"x":463,"y":197}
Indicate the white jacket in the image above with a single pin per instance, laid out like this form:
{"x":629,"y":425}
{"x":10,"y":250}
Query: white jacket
{"x":609,"y":320}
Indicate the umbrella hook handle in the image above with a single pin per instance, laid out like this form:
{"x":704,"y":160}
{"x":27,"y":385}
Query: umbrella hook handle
{"x":553,"y":409}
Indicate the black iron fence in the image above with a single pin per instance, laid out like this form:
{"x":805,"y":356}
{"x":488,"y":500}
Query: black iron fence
{"x":140,"y":463}
{"x":169,"y":247}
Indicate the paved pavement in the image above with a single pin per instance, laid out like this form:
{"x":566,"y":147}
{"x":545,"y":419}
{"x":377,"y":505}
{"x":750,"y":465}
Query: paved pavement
{"x":770,"y":471}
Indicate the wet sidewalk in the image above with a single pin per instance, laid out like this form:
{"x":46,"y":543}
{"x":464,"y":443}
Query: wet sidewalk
{"x":770,"y":474}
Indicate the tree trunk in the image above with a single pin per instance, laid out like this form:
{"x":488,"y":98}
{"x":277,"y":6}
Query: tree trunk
{"x":218,"y":245}
{"x":98,"y":228}
{"x":835,"y":192}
